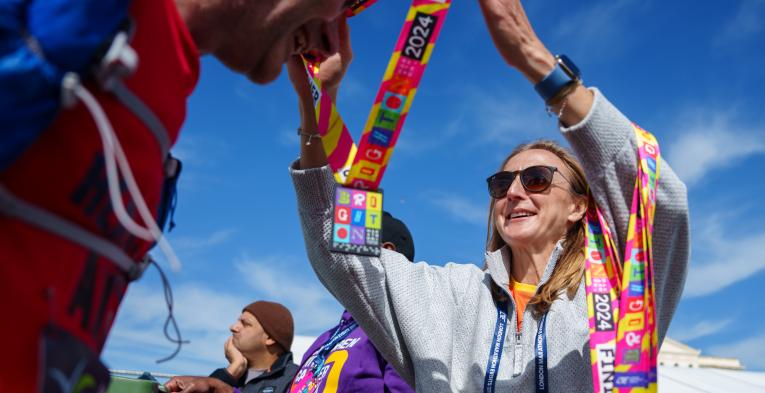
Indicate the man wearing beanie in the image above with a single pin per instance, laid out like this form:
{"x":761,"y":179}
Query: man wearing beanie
{"x":258,"y":350}
{"x":342,"y":359}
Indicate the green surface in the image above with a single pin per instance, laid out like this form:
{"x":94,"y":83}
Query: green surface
{"x":131,"y":385}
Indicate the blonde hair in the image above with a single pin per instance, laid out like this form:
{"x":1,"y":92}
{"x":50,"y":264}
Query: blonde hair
{"x":570,"y":267}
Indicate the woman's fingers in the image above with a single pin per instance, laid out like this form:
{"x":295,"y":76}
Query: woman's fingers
{"x":299,"y":78}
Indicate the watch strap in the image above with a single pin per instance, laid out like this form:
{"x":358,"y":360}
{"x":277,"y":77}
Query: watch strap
{"x":553,"y":83}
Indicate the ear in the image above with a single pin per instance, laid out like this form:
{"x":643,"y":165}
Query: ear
{"x":389,"y":246}
{"x":270,"y":341}
{"x":578,"y":209}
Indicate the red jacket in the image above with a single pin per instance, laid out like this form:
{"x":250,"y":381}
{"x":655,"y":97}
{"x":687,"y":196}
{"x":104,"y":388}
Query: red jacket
{"x":47,"y":279}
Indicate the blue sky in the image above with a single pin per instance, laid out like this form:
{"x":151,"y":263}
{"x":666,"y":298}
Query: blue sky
{"x":689,"y":71}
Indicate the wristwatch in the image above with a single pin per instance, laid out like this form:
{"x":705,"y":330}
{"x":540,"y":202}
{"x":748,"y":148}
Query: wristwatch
{"x":560,"y":79}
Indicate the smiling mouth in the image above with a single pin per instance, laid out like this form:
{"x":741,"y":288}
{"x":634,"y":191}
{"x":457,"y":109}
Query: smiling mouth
{"x":519,"y":215}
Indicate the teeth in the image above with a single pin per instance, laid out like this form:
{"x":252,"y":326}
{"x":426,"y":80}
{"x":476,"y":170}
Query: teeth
{"x":524,"y":214}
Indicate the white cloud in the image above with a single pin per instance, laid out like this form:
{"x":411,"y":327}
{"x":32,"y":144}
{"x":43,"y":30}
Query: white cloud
{"x":460,"y":208}
{"x":353,"y":88}
{"x":597,"y":26}
{"x":190,"y":244}
{"x":503,"y":119}
{"x":714,"y":142}
{"x":204,"y":314}
{"x":199,"y":150}
{"x":200,"y":154}
{"x":748,"y":350}
{"x":747,"y":22}
{"x":288,"y":137}
{"x":737,"y":259}
{"x":701,"y":329}
{"x":480,"y":118}
{"x":279,"y":279}
{"x":719,"y":259}
{"x":416,"y":139}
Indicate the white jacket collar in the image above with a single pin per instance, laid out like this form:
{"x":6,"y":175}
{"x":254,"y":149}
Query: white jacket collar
{"x":499,"y":270}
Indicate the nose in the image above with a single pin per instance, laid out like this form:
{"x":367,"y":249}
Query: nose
{"x":516,"y":190}
{"x":234,"y":328}
{"x":323,"y":37}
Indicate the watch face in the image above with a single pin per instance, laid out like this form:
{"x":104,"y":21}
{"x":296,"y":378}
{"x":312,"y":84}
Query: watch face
{"x":569,"y":67}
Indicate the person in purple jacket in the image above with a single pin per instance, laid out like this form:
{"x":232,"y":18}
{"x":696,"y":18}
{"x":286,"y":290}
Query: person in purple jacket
{"x":342,"y":359}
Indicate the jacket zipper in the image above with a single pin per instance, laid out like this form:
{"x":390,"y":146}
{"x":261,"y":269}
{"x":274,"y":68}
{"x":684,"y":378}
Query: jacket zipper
{"x":518,"y":356}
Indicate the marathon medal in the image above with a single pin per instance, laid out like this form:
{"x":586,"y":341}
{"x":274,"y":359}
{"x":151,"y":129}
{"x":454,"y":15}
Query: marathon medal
{"x":357,"y":212}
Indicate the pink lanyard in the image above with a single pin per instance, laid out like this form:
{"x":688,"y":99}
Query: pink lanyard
{"x":363,"y":167}
{"x":620,"y":298}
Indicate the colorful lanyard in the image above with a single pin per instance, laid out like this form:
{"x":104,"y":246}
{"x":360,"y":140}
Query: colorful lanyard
{"x":359,"y":5}
{"x":364,"y":166}
{"x":623,"y":336}
{"x":495,"y":353}
{"x":320,"y":356}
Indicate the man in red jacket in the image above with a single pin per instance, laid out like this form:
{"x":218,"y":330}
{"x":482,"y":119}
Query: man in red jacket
{"x":61,"y":280}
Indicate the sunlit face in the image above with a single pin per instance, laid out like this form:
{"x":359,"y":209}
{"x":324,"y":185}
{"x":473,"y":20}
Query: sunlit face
{"x":527,"y":220}
{"x":259,"y":36}
{"x":248,"y":335}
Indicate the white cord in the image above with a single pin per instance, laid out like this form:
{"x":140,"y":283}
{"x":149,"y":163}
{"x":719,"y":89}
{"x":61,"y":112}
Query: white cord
{"x":114,"y":156}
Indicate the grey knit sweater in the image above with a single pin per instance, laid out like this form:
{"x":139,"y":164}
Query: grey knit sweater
{"x":435,"y":324}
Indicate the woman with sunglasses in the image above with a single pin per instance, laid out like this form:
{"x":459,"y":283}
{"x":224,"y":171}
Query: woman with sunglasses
{"x":440,"y":326}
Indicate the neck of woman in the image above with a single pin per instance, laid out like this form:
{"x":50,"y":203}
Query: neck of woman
{"x":528,"y":264}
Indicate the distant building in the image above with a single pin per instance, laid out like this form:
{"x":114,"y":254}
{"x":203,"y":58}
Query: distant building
{"x":676,"y":354}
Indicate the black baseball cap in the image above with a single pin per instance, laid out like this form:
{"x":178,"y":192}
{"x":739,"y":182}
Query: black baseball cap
{"x":396,"y":232}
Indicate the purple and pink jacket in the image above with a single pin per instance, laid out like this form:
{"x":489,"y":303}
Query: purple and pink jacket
{"x":353,"y":365}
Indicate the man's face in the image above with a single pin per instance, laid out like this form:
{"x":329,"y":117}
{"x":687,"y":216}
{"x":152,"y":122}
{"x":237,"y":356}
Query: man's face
{"x":248,"y":335}
{"x":257,"y":36}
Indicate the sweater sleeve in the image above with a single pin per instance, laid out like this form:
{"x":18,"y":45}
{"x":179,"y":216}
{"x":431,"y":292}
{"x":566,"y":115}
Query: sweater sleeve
{"x":224,"y":376}
{"x":605,"y":143}
{"x":383,"y":294}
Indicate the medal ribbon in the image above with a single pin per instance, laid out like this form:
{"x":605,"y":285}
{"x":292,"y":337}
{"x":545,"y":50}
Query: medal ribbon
{"x":620,"y":298}
{"x":363,"y":167}
{"x":359,"y":5}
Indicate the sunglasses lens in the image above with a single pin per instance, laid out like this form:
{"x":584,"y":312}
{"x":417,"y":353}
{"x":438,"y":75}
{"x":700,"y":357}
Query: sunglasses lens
{"x":536,"y":178}
{"x":499,"y":183}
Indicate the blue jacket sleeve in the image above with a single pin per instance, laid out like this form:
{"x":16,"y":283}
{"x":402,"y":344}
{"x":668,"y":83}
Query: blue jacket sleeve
{"x":41,"y":40}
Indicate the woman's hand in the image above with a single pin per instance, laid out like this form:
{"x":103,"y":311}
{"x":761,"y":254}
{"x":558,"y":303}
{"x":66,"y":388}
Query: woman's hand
{"x":515,"y":39}
{"x":331,"y":73}
{"x":332,"y":70}
{"x":519,"y":45}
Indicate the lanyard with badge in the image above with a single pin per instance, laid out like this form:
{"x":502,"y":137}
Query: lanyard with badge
{"x":358,"y":201}
{"x":314,"y":371}
{"x":320,"y":356}
{"x":495,"y":352}
{"x":620,"y":298}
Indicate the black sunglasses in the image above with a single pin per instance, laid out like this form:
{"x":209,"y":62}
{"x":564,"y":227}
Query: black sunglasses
{"x":535,"y":179}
